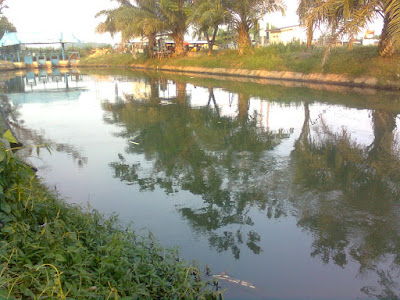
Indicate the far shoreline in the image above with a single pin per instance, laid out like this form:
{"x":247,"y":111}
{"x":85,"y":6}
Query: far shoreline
{"x":314,"y":78}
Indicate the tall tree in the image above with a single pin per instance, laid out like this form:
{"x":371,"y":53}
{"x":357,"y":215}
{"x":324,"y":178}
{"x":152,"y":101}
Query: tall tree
{"x":304,"y":8}
{"x":176,"y":13}
{"x":207,"y":16}
{"x":141,"y":18}
{"x":246,"y":13}
{"x":148,"y":18}
{"x":5,"y":24}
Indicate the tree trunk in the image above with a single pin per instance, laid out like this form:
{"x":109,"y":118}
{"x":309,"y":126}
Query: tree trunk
{"x":244,"y":43}
{"x":212,"y":41}
{"x":181,"y":95}
{"x":210,"y":47}
{"x":211,"y":96}
{"x":380,"y":153}
{"x":154,"y":96}
{"x":152,"y":42}
{"x":244,"y":100}
{"x":305,"y":130}
{"x":179,"y":40}
{"x":386,"y":47}
{"x":310,"y":34}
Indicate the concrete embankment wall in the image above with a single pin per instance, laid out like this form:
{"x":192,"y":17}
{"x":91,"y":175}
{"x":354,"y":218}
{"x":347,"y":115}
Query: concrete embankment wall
{"x":361,"y":81}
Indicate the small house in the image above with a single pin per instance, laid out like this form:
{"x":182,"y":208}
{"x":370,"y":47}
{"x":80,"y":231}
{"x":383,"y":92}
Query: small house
{"x":285,"y":35}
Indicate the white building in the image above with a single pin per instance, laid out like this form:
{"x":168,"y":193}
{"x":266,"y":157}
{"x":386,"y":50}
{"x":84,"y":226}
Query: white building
{"x":286,"y":35}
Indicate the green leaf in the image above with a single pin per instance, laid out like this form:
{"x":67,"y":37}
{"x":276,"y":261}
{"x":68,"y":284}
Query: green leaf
{"x":59,"y":257}
{"x":9,"y":137}
{"x":29,"y":293}
{"x":6,"y":208}
{"x":2,"y":155}
{"x":8,"y":229}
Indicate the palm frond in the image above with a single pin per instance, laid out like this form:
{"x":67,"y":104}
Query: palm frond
{"x":392,"y":9}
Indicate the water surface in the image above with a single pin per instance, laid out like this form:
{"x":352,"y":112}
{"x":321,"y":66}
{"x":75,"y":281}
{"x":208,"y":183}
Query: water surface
{"x":294,"y":189}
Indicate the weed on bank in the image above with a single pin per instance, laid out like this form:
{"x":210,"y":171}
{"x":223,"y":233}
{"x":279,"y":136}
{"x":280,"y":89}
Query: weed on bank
{"x":293,"y":57}
{"x":51,"y":249}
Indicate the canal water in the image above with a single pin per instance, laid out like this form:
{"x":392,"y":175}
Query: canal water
{"x":290,"y":188}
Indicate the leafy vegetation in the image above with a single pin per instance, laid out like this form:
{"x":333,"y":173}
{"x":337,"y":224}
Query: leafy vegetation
{"x":5,"y":24}
{"x":148,"y":18}
{"x":348,"y":18}
{"x":246,"y":13}
{"x":207,"y":16}
{"x":173,"y":17}
{"x":344,"y":18}
{"x":51,"y":249}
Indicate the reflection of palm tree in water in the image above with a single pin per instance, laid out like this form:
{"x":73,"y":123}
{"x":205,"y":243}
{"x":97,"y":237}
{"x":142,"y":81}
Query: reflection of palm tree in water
{"x":348,"y":198}
{"x":243,"y":105}
{"x":211,"y":96}
{"x":181,"y":94}
{"x":380,"y":153}
{"x":217,"y":158}
{"x":154,"y":93}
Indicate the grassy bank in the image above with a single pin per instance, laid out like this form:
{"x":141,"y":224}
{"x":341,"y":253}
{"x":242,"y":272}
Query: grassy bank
{"x":51,"y":249}
{"x":356,"y":62}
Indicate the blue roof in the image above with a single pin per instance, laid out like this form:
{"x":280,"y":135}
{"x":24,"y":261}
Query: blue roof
{"x":17,"y":38}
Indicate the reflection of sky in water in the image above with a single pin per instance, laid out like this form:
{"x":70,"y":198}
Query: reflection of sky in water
{"x":283,"y":268}
{"x":356,"y":122}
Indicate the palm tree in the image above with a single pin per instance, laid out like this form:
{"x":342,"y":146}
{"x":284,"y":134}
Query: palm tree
{"x":207,"y":16}
{"x":246,"y":13}
{"x":176,"y":14}
{"x":148,"y":18}
{"x":140,"y":19}
{"x":303,"y":10}
{"x":349,"y":17}
{"x":5,"y":24}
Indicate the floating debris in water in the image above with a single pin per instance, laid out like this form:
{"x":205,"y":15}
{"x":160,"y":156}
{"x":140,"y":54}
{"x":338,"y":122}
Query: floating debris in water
{"x":224,"y":276}
{"x":133,"y":142}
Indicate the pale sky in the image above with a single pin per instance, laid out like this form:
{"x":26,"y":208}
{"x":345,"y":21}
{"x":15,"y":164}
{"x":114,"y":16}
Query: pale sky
{"x":78,"y":17}
{"x":75,"y":16}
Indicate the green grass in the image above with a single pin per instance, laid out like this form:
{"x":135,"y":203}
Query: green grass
{"x":292,"y":57}
{"x":112,"y":59}
{"x":53,"y":250}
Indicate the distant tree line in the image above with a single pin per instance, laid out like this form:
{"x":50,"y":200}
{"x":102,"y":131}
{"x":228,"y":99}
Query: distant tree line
{"x":152,"y":18}
{"x":5,"y":25}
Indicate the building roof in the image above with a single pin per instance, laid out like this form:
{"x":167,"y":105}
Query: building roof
{"x":17,"y":38}
{"x":282,"y":29}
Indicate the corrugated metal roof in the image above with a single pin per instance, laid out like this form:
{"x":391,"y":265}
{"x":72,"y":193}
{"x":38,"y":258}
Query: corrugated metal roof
{"x":17,"y":38}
